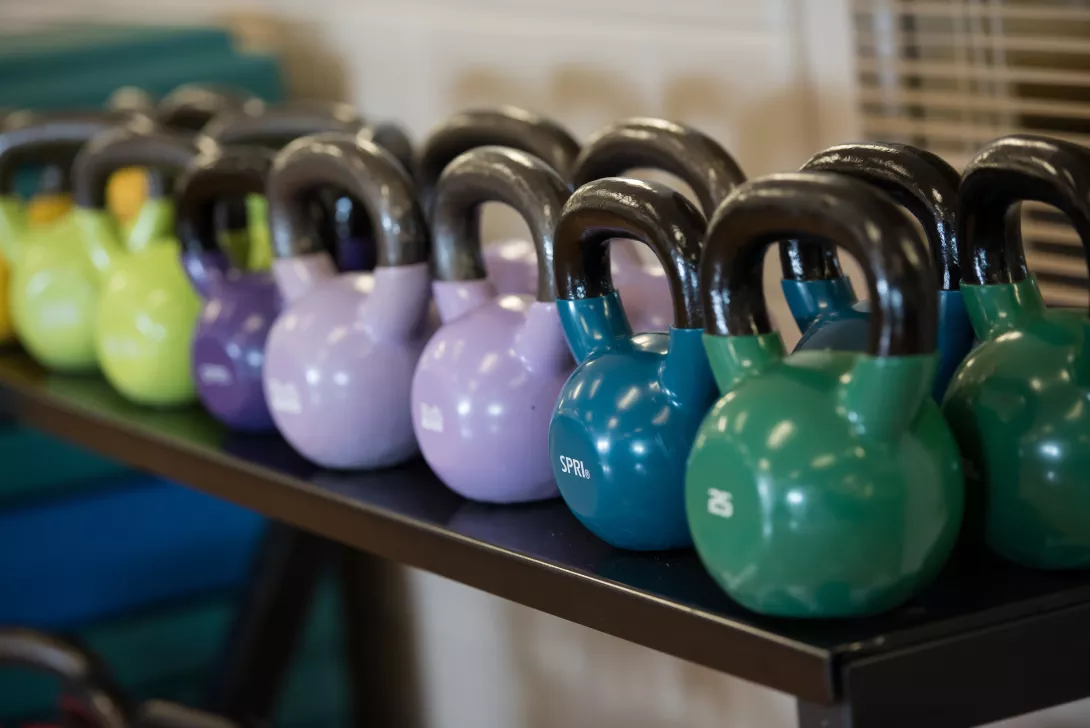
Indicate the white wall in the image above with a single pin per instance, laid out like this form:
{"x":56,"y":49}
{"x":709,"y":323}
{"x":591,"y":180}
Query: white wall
{"x":771,"y":80}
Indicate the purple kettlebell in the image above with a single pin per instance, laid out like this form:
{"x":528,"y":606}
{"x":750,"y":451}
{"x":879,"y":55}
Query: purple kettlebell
{"x":239,"y":306}
{"x":339,"y":359}
{"x":511,"y":264}
{"x":486,"y":384}
{"x":695,"y":158}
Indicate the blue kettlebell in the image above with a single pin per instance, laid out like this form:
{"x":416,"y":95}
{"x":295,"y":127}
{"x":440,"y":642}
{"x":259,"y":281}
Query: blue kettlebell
{"x":820,"y":296}
{"x":626,"y":418}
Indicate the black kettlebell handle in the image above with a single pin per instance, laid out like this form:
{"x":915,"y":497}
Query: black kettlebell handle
{"x":395,"y":140}
{"x":690,"y":155}
{"x":129,"y":146}
{"x":80,"y":671}
{"x":505,"y":126}
{"x":29,"y":137}
{"x":835,"y":210}
{"x":363,"y":170}
{"x":279,"y":125}
{"x":1005,"y":173}
{"x":232,"y":173}
{"x":191,"y":106}
{"x":649,"y":212}
{"x":530,"y":186}
{"x":924,"y":183}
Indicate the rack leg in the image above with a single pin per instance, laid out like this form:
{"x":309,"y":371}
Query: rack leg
{"x":269,"y":623}
{"x":812,"y":715}
{"x":379,"y":650}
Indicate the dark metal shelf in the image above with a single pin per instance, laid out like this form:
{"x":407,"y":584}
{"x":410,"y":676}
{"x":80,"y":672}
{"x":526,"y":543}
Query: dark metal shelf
{"x":987,"y":640}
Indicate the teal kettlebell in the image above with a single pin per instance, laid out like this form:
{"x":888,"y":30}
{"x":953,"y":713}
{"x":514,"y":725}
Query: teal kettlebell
{"x":821,"y":298}
{"x":822,"y":483}
{"x":1020,"y":403}
{"x":626,"y":417}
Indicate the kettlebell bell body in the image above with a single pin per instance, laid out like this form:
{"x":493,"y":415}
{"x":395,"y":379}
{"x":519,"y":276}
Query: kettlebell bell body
{"x":626,"y":417}
{"x":824,"y":483}
{"x":486,"y":383}
{"x":147,"y":311}
{"x":821,"y":298}
{"x":643,"y":143}
{"x":1018,"y":404}
{"x":53,"y":288}
{"x":340,"y":357}
{"x":511,"y":265}
{"x":238,"y":305}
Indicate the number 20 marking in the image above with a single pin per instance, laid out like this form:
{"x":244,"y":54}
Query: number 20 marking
{"x":720,"y":503}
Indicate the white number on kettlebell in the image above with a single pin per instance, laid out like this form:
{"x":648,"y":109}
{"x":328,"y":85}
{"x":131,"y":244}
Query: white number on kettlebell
{"x":720,"y":503}
{"x":284,"y":397}
{"x":573,"y":466}
{"x":431,"y":418}
{"x":214,"y":374}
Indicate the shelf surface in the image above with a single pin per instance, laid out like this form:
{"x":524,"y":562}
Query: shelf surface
{"x":973,"y":626}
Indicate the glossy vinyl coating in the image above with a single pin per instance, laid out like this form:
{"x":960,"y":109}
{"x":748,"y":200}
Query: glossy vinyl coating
{"x":825,"y":483}
{"x":486,"y":383}
{"x":52,"y":290}
{"x":239,"y":306}
{"x":81,"y":673}
{"x":825,"y":308}
{"x":1019,"y":402}
{"x":147,"y":311}
{"x":695,"y":158}
{"x":339,"y":359}
{"x":191,"y":106}
{"x":626,"y":417}
{"x":512,"y":265}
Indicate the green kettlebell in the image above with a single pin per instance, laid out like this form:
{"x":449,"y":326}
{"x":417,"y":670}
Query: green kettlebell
{"x":147,"y":311}
{"x":1020,"y":403}
{"x":822,"y":483}
{"x":53,"y":289}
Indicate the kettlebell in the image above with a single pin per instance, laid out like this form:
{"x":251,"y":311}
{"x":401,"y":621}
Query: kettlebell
{"x":697,"y":159}
{"x":239,"y":306}
{"x":90,"y":694}
{"x":339,"y":218}
{"x":191,"y":106}
{"x":821,"y":298}
{"x":53,"y":289}
{"x":1018,"y":402}
{"x":824,"y":483}
{"x":340,"y":357}
{"x":147,"y":310}
{"x":512,"y":265}
{"x":625,"y":419}
{"x":85,"y":679}
{"x":485,"y":386}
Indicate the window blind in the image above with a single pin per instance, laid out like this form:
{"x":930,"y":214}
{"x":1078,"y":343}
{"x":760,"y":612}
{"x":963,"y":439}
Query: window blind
{"x":949,"y":75}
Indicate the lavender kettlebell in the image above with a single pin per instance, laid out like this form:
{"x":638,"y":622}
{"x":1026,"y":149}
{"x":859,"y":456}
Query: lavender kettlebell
{"x":486,"y":384}
{"x":695,"y":158}
{"x":238,"y":306}
{"x":339,"y":359}
{"x":511,"y":264}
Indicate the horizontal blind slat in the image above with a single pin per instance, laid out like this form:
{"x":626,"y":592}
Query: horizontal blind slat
{"x":974,"y":72}
{"x":1029,"y":11}
{"x":973,"y":102}
{"x":967,"y":131}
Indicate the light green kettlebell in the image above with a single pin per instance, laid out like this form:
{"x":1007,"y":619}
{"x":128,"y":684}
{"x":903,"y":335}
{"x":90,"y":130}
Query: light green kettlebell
{"x":52,"y":290}
{"x":147,"y":310}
